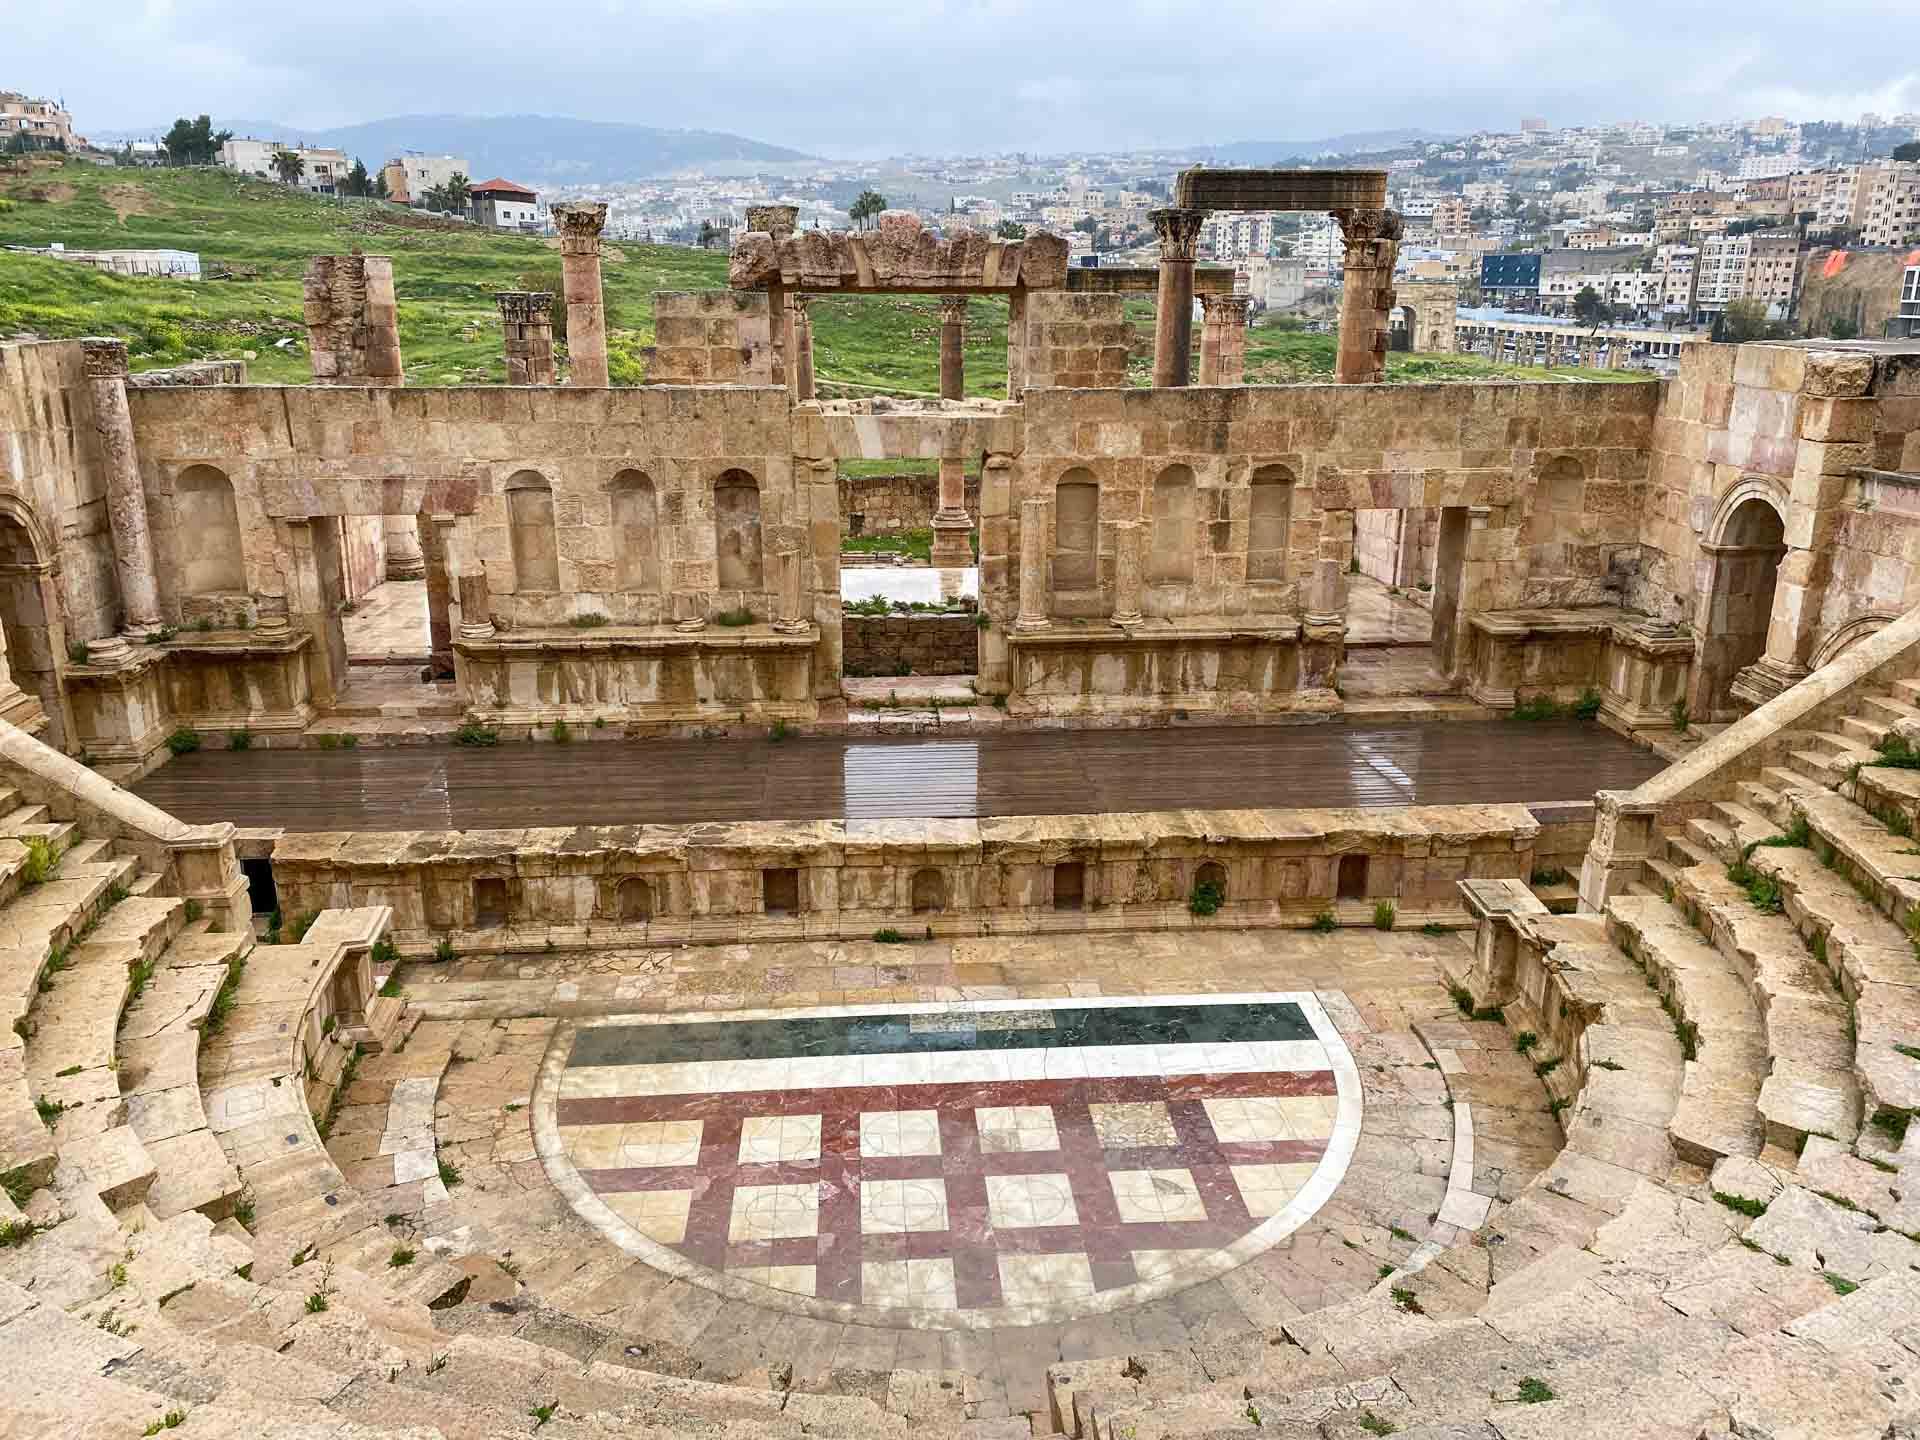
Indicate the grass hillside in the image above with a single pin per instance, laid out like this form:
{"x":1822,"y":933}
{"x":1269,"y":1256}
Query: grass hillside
{"x":256,"y":237}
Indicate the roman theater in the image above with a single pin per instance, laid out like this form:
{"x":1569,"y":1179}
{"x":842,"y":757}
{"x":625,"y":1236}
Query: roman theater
{"x":1331,"y":910}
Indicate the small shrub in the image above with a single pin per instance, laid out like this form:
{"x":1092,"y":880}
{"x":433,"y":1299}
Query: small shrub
{"x":1383,"y":913}
{"x":778,"y":731}
{"x":1681,"y":717}
{"x":1840,"y":1285}
{"x":302,"y":923}
{"x":184,"y":741}
{"x":78,"y":652}
{"x":194,"y":911}
{"x":402,"y":1256}
{"x":1554,"y":876}
{"x":337,"y":741}
{"x":1206,"y":899}
{"x":1323,"y":923}
{"x":40,"y":861}
{"x":316,"y":1303}
{"x":561,"y":732}
{"x":224,"y":998}
{"x":982,"y":620}
{"x":172,"y":1420}
{"x":1400,"y":1233}
{"x":1374,"y":1425}
{"x":390,"y":988}
{"x":1525,"y":1041}
{"x":449,"y":1173}
{"x":889,"y":936}
{"x":1741,"y":1205}
{"x":472,"y":732}
{"x":1587,"y":707}
{"x":734,"y":618}
{"x":592,"y":620}
{"x":1462,"y":997}
{"x":1896,"y":753}
{"x":48,"y":1110}
{"x":384,"y":952}
{"x":1408,"y":1302}
{"x":444,"y":950}
{"x":1544,"y":1068}
{"x":1539,"y":707}
{"x":543,"y":1413}
{"x":1434,"y":928}
{"x":240,"y":740}
{"x":1533,"y":1392}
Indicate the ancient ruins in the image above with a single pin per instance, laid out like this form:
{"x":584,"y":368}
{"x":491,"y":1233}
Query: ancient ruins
{"x":1185,"y":1004}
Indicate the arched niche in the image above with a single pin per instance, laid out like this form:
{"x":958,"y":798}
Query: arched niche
{"x":1269,"y":519}
{"x":1170,"y":559}
{"x":536,"y":550}
{"x":207,"y":530}
{"x":1076,"y":531}
{"x":736,"y":530}
{"x":636,"y":532}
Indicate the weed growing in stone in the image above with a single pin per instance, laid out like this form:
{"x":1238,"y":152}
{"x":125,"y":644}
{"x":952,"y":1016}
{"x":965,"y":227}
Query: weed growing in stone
{"x":1374,"y":1425}
{"x":41,"y":860}
{"x":1383,"y":914}
{"x":472,"y":732}
{"x":733,"y":619}
{"x":1408,"y":1302}
{"x":402,"y":1256}
{"x":1533,"y":1392}
{"x":592,"y":620}
{"x":888,"y":936}
{"x":184,"y":741}
{"x":1206,"y":899}
{"x":239,"y":739}
{"x":1741,"y":1204}
{"x":1525,"y":1041}
{"x":1323,"y":923}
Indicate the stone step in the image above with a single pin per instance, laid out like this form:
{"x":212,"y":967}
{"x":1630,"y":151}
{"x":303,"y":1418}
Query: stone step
{"x":1713,"y":840}
{"x":1907,"y":691}
{"x":1687,"y":851}
{"x":1762,"y":800}
{"x":1718,"y":1112}
{"x":1865,"y":731}
{"x":1810,"y":1086}
{"x":1887,"y":709}
{"x":1822,"y":767}
{"x":112,"y":1165}
{"x":1783,"y":780}
{"x":1749,"y":826}
{"x":1838,"y":745}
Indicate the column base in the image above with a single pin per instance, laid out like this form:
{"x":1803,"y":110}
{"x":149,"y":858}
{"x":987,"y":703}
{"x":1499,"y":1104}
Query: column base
{"x":952,"y":542}
{"x":1031,"y":624}
{"x":112,"y":653}
{"x":691,"y":627}
{"x":407,"y":570}
{"x":1765,"y":679}
{"x":1129,"y":622}
{"x":476,"y":630}
{"x":785,"y":627}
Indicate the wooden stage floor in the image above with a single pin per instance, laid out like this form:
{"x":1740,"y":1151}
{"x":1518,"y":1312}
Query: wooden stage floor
{"x":1030,"y":773}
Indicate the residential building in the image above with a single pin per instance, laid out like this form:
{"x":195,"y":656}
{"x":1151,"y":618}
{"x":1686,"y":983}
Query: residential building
{"x":504,"y":205}
{"x":1722,"y":270}
{"x":1677,"y":266}
{"x":324,"y":170}
{"x":1892,"y":215}
{"x":1507,"y":278}
{"x":45,"y":121}
{"x":1452,"y":215}
{"x":1907,"y":323}
{"x":411,"y":174}
{"x":1773,"y":266}
{"x":1236,"y":235}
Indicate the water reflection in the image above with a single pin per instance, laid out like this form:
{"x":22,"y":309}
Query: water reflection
{"x":928,"y":586}
{"x":911,"y":777}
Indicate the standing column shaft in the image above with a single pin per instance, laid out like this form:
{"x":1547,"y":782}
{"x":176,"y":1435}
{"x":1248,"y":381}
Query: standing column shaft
{"x":791,"y":620}
{"x":404,"y":558}
{"x":526,"y":332}
{"x":1128,"y":538}
{"x":1223,"y":339}
{"x":1034,"y":516}
{"x":953,"y":347}
{"x":952,"y":529}
{"x":580,"y":229}
{"x":1179,"y":232}
{"x":777,"y":221}
{"x":436,"y":545}
{"x":802,"y":349}
{"x":105,"y":363}
{"x":1366,"y":296}
{"x":353,"y":321}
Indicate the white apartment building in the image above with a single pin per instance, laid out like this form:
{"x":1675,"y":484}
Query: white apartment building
{"x":411,"y":174}
{"x":1722,"y":270}
{"x":325,"y":168}
{"x":1236,"y":235}
{"x":1677,"y":267}
{"x":1892,"y":211}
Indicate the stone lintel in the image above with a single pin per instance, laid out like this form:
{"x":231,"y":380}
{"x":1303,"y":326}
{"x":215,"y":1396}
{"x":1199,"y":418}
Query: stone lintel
{"x":1145,"y":280}
{"x":1202,"y":188}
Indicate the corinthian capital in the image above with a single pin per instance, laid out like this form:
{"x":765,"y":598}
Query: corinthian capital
{"x":580,"y":225}
{"x":1360,"y":227}
{"x":1179,"y":232}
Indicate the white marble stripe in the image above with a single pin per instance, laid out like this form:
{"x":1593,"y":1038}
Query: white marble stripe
{"x":825,"y":1072}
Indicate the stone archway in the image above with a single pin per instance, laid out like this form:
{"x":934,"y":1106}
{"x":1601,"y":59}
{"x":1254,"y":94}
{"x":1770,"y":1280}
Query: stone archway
{"x":1740,"y":562}
{"x":35,"y":633}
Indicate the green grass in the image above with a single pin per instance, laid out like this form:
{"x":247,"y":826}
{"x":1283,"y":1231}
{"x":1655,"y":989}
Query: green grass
{"x":917,"y":543}
{"x":259,"y":235}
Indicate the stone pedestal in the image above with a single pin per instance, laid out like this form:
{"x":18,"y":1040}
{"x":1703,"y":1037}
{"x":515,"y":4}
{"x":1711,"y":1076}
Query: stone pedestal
{"x":952,"y":529}
{"x":105,"y":364}
{"x":1129,"y":544}
{"x":580,"y":226}
{"x":353,"y":321}
{"x":1622,"y":841}
{"x":1223,"y":339}
{"x":1366,"y":296}
{"x":953,"y":343}
{"x":1034,"y":518}
{"x":404,"y":559}
{"x":526,"y":330}
{"x":1179,"y":232}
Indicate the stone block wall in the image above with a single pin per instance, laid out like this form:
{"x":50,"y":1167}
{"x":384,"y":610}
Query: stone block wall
{"x":1068,"y":340}
{"x":711,"y":337}
{"x":882,"y":504}
{"x":910,"y":644}
{"x":673,"y":884}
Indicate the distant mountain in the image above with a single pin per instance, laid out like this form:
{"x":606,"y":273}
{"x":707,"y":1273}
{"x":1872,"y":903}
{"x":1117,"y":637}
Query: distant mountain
{"x":1274,"y":152}
{"x":533,"y":149}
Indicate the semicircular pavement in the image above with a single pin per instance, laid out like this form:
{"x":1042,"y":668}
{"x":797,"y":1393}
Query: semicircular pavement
{"x":981,"y":1164}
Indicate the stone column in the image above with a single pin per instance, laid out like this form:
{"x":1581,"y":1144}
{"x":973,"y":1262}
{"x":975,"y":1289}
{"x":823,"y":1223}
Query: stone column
{"x":1366,"y":295}
{"x":580,"y":225}
{"x":1034,"y":517}
{"x":802,"y":348}
{"x":404,"y":559}
{"x":469,"y":581}
{"x":1179,"y":232}
{"x":526,"y":329}
{"x":952,"y":530}
{"x":353,"y":321}
{"x":1223,"y":339}
{"x":778,"y":221}
{"x":105,"y":365}
{"x":1129,"y":545}
{"x":953,"y":347}
{"x":792,"y":619}
{"x":436,"y":545}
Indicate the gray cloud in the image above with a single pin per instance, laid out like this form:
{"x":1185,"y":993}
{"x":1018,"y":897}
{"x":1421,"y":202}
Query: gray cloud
{"x":954,"y":76}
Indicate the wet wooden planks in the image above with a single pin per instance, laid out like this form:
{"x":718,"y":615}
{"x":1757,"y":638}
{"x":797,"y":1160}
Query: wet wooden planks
{"x":1033,"y":773}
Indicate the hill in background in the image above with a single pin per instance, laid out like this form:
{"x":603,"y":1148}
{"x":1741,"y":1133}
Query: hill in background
{"x":536,"y":149}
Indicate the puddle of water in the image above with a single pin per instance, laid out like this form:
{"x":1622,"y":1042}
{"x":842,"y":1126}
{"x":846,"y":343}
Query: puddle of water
{"x":863,"y":582}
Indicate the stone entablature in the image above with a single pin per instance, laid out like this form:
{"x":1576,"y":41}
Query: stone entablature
{"x":898,"y":256}
{"x":707,"y":883}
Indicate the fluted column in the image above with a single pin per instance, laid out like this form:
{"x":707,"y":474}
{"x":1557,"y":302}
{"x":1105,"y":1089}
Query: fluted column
{"x":802,"y":348}
{"x":1366,"y":295}
{"x":526,"y":331}
{"x":1034,"y":517}
{"x":105,"y":365}
{"x":952,"y":529}
{"x":1223,"y":339}
{"x":1129,"y":540}
{"x":1179,"y":232}
{"x":580,"y":227}
{"x":953,"y":347}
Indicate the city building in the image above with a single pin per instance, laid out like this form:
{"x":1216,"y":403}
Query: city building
{"x":1907,"y":322}
{"x":1892,"y":211}
{"x":411,"y":174}
{"x":504,"y":205}
{"x":44,"y":122}
{"x":324,"y":168}
{"x":1510,"y":278}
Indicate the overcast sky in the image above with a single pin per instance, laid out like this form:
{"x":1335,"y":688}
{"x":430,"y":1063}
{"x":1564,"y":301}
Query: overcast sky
{"x":871,"y":77}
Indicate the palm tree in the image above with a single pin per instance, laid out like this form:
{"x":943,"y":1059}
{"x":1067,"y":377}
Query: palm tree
{"x":459,"y":193}
{"x":869,"y":204}
{"x":289,"y":166}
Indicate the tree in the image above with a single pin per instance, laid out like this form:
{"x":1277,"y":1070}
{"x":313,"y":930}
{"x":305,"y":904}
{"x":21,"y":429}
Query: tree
{"x":194,"y":142}
{"x":707,"y":234}
{"x":459,"y":193}
{"x":289,"y":166}
{"x":1010,"y":230}
{"x":380,"y":190}
{"x":1908,"y":151}
{"x":1087,"y":225}
{"x":866,"y":205}
{"x":1745,"y":320}
{"x":1590,"y":309}
{"x":1843,"y":327}
{"x":358,"y":182}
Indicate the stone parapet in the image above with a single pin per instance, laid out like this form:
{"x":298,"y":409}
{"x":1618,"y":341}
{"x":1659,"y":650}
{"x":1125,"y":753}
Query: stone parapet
{"x":899,"y":256}
{"x":711,"y":337}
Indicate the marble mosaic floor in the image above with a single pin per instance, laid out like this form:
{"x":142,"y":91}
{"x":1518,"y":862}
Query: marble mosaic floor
{"x":953,"y":1165}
